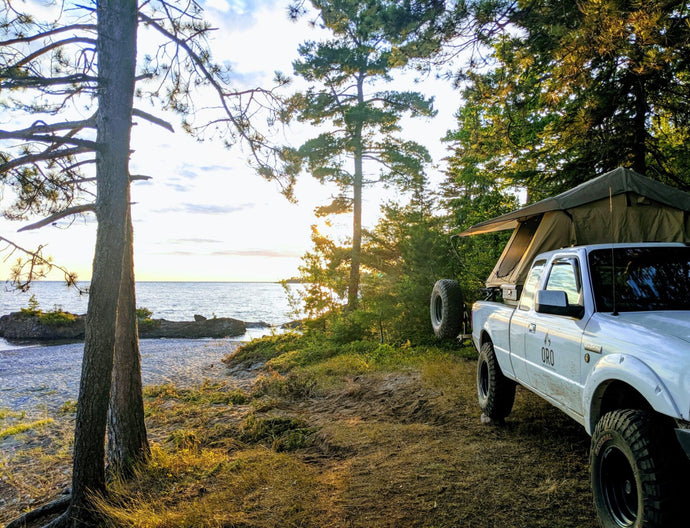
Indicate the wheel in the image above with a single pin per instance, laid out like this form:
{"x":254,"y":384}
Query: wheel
{"x":446,"y":309}
{"x":496,"y":392}
{"x":632,"y":471}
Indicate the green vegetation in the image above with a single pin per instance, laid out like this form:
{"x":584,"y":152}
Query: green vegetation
{"x":56,"y":317}
{"x":23,"y":427}
{"x":144,"y":321}
{"x":143,"y":314}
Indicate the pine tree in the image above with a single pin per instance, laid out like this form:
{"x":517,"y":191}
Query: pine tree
{"x":371,"y":39}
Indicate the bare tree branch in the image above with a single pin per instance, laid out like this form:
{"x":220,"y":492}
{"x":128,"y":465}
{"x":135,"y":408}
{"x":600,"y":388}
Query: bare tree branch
{"x":77,"y":209}
{"x":48,"y":154}
{"x":48,"y":47}
{"x":153,"y":119}
{"x":46,"y":34}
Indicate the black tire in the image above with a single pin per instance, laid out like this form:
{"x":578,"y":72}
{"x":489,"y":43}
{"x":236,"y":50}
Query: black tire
{"x":446,"y":309}
{"x":632,"y":471}
{"x":496,"y":393}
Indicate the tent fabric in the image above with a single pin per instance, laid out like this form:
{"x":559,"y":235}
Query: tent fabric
{"x":618,"y":181}
{"x":620,"y":206}
{"x":554,"y":231}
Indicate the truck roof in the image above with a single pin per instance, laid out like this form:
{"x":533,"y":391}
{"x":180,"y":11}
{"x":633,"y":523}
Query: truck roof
{"x":593,"y":247}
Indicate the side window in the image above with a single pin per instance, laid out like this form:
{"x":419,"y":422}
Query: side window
{"x":531,"y":285}
{"x":565,"y":276}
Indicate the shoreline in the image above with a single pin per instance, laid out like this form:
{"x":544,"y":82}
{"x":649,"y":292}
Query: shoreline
{"x":40,"y":379}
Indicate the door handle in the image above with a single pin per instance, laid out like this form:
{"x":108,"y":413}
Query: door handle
{"x":532,"y":328}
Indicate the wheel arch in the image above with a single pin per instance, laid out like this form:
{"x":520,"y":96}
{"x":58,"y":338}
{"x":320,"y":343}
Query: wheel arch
{"x":611,"y":387}
{"x":484,"y":337}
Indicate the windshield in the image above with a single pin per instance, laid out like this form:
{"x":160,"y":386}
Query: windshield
{"x":651,"y":278}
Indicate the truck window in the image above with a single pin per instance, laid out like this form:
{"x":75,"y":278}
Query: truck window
{"x":565,"y":276}
{"x":531,"y":285}
{"x":642,"y":278}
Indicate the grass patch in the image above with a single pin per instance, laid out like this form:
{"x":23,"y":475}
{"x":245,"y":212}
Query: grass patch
{"x":24,"y":427}
{"x":211,"y":489}
{"x":281,"y":433}
{"x":207,"y":393}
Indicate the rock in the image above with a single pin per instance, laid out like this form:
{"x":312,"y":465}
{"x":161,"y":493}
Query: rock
{"x":258,"y":324}
{"x":486,"y":420}
{"x":198,"y":318}
{"x":20,"y":326}
{"x":216,"y":328}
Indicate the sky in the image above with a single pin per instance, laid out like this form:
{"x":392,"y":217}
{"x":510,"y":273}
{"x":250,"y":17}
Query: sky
{"x":204,"y":215}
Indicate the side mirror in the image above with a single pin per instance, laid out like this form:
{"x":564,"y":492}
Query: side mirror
{"x":556,"y":303}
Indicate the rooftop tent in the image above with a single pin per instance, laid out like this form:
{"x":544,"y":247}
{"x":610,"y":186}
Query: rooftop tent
{"x":619,"y":206}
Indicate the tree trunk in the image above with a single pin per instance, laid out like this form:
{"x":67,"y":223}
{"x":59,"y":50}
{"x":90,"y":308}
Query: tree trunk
{"x":116,"y":46}
{"x":353,"y":287}
{"x":127,"y":441}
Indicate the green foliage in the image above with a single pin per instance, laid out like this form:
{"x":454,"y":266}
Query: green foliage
{"x":57,"y":318}
{"x":143,"y":314}
{"x":575,"y":89}
{"x":33,"y":307}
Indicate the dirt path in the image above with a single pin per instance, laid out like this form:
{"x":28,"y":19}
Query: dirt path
{"x":409,"y":450}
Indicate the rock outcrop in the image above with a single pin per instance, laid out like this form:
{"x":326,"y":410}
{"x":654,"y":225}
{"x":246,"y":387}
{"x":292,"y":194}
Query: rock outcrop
{"x":218,"y":328}
{"x":20,"y":326}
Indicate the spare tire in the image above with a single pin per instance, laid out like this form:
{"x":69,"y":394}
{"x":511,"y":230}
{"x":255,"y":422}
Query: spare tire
{"x":446,"y":309}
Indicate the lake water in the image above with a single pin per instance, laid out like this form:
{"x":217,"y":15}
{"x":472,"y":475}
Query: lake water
{"x":175,"y":301}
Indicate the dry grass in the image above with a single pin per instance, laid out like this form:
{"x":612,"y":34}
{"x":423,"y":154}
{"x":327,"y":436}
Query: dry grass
{"x":347,"y":442}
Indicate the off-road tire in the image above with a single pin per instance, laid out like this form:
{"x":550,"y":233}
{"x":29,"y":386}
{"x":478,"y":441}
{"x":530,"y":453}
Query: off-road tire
{"x":495,"y":392}
{"x":446,"y":309}
{"x":633,"y":471}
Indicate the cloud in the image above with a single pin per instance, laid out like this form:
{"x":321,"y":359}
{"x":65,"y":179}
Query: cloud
{"x":266,"y":253}
{"x":194,"y":241}
{"x":177,"y":187}
{"x":206,"y":209}
{"x":219,"y":5}
{"x":241,"y":14}
{"x":254,"y":253}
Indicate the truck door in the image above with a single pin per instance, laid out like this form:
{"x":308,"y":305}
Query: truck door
{"x":522,"y":317}
{"x":553,"y":342}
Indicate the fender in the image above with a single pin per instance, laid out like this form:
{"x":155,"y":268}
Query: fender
{"x":493,"y":320}
{"x":631,"y":371}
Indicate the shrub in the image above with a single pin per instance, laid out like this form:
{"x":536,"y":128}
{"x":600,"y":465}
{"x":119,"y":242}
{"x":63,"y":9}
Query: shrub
{"x":32,"y":308}
{"x":57,"y":318}
{"x":143,"y":314}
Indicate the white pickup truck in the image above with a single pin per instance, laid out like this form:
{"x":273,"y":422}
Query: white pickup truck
{"x":603,"y":333}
